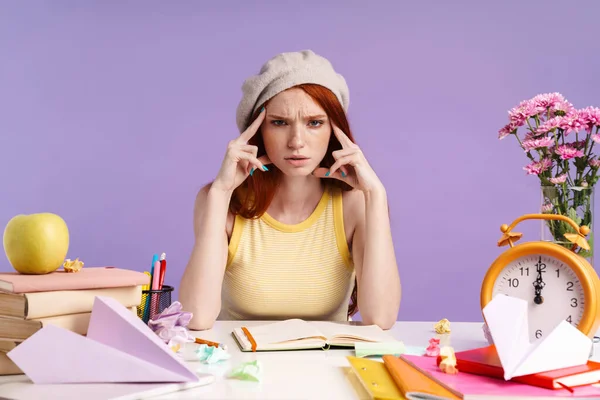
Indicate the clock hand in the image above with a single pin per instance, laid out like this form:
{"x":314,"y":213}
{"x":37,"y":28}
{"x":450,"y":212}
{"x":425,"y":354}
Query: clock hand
{"x":539,"y":283}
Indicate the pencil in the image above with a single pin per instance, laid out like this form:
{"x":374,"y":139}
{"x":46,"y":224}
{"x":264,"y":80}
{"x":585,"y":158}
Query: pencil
{"x":209,"y":343}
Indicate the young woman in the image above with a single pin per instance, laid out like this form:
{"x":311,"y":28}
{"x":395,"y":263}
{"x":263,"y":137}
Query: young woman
{"x":296,"y":223}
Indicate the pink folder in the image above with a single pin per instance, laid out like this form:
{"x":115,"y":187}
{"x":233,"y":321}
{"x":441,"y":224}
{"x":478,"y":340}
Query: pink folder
{"x":119,"y":347}
{"x":470,"y":384}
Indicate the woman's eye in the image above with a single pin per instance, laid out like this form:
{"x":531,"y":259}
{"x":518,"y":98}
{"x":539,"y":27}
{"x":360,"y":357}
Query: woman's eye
{"x":316,"y":123}
{"x":277,"y":122}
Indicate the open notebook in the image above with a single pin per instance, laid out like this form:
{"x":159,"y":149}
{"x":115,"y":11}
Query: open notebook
{"x":298,"y":334}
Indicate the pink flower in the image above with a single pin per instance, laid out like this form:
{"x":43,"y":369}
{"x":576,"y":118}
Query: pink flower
{"x":548,"y":100}
{"x":518,"y":115}
{"x":568,"y":123}
{"x":506,"y":130}
{"x":572,"y":122}
{"x":567,"y":151}
{"x":537,"y":143}
{"x":549,"y":125}
{"x":561,"y":108}
{"x":590,"y":117}
{"x":555,"y":103}
{"x":596,"y":138}
{"x":546,"y":207}
{"x":559,"y":179}
{"x":536,"y":168}
{"x":594,"y":163}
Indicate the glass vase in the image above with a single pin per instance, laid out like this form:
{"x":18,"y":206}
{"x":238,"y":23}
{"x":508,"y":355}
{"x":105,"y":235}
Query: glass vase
{"x":575,"y":202}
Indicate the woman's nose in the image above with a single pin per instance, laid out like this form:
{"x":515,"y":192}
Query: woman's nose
{"x":296,"y":139}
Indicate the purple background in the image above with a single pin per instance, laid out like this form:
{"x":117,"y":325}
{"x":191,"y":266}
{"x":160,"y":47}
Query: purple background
{"x":114,"y":114}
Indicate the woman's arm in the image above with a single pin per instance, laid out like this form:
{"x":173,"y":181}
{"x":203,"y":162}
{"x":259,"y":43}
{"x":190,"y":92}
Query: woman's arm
{"x":200,"y":287}
{"x":372,"y":247}
{"x":377,"y":276}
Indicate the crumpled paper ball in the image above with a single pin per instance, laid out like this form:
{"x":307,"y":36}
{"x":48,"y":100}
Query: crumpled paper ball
{"x":211,"y":354}
{"x":442,"y":326}
{"x":73,"y":266}
{"x":171,"y":325}
{"x":248,"y":371}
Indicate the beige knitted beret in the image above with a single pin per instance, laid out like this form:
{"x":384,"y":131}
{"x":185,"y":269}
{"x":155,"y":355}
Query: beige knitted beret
{"x":284,"y":71}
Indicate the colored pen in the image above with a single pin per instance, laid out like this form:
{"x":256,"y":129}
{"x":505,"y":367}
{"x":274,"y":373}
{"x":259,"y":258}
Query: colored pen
{"x":211,"y":344}
{"x":156,"y":276}
{"x":147,"y":308}
{"x":163,"y":267}
{"x":154,"y":260}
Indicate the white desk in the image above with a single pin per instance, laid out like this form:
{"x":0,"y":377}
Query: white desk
{"x":311,"y":374}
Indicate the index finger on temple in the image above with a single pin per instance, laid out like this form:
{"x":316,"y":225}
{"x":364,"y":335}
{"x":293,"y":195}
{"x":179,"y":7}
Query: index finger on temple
{"x":253,"y":128}
{"x":341,"y":136}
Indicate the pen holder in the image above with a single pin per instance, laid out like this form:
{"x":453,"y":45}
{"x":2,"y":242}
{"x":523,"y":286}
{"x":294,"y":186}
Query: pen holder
{"x":154,"y":302}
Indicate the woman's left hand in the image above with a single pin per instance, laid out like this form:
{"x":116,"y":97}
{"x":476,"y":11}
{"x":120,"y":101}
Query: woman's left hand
{"x":350,"y":166}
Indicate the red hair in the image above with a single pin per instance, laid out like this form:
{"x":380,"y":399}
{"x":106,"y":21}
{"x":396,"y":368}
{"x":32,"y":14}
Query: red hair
{"x":253,"y":197}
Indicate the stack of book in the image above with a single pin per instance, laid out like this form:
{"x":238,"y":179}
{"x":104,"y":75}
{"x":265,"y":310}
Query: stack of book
{"x":65,"y":299}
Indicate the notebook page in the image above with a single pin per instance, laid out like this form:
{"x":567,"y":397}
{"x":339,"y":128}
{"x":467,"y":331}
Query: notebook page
{"x":276,"y":332}
{"x":371,"y":333}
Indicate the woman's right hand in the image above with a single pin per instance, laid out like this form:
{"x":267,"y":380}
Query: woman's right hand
{"x":240,"y":159}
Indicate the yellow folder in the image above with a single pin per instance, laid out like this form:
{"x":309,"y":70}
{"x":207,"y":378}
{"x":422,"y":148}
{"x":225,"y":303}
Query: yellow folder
{"x":398,"y":379}
{"x":375,"y":378}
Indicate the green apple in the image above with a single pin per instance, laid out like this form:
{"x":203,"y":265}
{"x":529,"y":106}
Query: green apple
{"x":36,"y":243}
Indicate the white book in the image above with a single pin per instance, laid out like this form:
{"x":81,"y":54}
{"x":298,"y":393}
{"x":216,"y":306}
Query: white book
{"x":298,"y":334}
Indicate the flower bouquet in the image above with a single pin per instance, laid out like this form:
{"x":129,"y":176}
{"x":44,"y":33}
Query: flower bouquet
{"x":559,"y":141}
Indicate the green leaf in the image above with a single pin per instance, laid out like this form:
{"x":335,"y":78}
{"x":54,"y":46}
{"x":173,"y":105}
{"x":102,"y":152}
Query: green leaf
{"x":572,"y":213}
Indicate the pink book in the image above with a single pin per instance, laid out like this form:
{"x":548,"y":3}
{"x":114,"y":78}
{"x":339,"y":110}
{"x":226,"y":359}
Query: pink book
{"x":86,"y":278}
{"x":471,"y":384}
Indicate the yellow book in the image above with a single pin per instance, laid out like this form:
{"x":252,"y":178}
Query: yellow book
{"x":396,"y":379}
{"x":375,"y":378}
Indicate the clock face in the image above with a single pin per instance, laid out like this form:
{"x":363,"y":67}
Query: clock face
{"x":551,"y":288}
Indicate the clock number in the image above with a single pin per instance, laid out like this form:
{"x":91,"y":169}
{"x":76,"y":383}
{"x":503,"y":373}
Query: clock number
{"x":538,"y":334}
{"x":514,"y":282}
{"x":540,"y":265}
{"x":558,"y":273}
{"x":526,"y":270}
{"x":570,"y":286}
{"x":573,"y":302}
{"x":569,"y":319}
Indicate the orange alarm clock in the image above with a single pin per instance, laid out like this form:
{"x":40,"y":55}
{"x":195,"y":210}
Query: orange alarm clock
{"x":557,"y":283}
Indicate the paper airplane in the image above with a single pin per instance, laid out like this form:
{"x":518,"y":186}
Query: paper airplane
{"x":119,"y":347}
{"x":507,"y":320}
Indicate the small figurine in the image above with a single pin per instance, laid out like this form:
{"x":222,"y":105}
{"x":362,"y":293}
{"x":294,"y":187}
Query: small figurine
{"x":448,"y":363}
{"x":433,"y":350}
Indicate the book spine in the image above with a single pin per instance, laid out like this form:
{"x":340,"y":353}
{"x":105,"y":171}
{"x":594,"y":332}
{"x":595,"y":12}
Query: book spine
{"x":50,"y":304}
{"x":77,"y":323}
{"x":13,"y":305}
{"x":7,"y":366}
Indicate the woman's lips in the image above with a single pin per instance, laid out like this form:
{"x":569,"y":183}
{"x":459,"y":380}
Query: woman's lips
{"x":298,"y":161}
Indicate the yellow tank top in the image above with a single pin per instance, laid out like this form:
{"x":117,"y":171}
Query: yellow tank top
{"x":280,"y":271}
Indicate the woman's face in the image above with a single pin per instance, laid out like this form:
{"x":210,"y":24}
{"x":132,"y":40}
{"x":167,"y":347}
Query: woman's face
{"x":295,"y":132}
